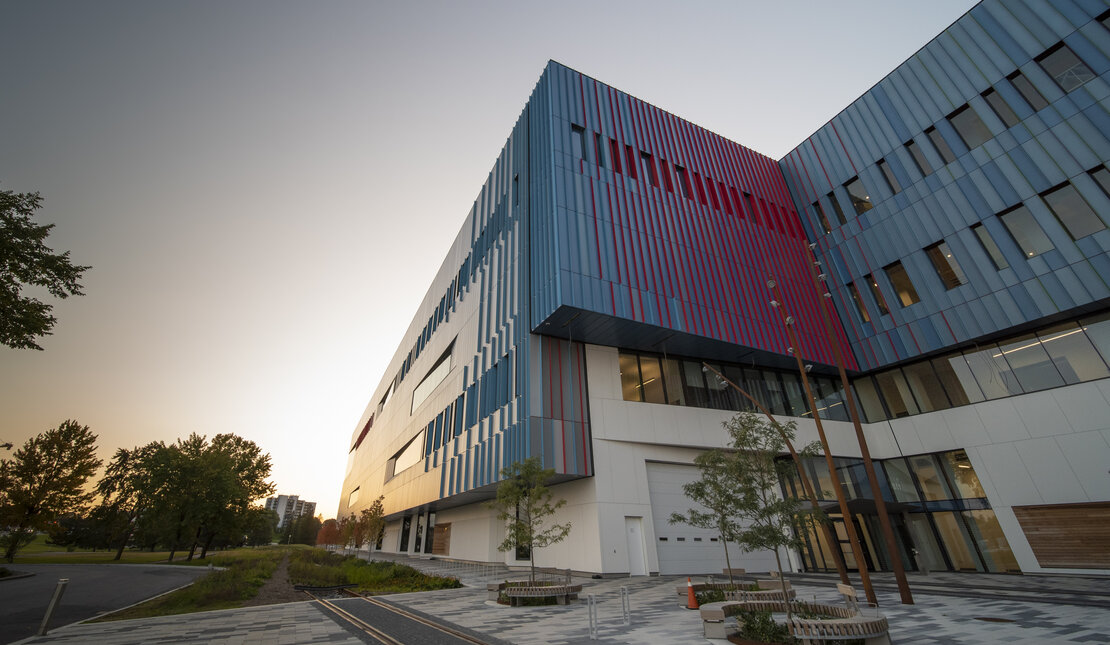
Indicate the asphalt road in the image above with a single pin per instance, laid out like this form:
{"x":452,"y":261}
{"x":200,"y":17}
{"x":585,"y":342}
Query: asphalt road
{"x":93,"y":589}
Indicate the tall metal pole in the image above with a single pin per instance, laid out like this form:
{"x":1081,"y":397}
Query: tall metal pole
{"x":838,"y":557}
{"x":849,"y":527}
{"x":865,"y":452}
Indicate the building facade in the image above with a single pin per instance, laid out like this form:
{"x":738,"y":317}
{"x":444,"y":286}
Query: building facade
{"x":957,"y":213}
{"x":289,"y":508}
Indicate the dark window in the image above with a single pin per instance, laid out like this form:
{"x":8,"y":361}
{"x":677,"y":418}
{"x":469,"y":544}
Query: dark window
{"x":837,"y":210}
{"x":1102,"y":176}
{"x":1028,"y":91}
{"x":900,"y":280}
{"x":712,"y":193}
{"x":854,"y":292}
{"x":597,"y":150}
{"x":649,"y":168}
{"x":861,"y":201}
{"x":1065,"y":67}
{"x":723,"y":192}
{"x":970,"y":127}
{"x":736,"y":201}
{"x":700,"y":189}
{"x":683,"y":180}
{"x":516,"y":190}
{"x":947,"y":267}
{"x":888,"y":175}
{"x":1025,"y":231}
{"x":941,"y":145}
{"x":1001,"y":108}
{"x":1105,"y":19}
{"x":990,"y":247}
{"x":820,"y":212}
{"x":1073,"y":211}
{"x":615,"y":154}
{"x":919,"y":158}
{"x":578,"y":141}
{"x":630,"y":157}
{"x":664,"y":170}
{"x":873,"y":285}
{"x":652,"y":385}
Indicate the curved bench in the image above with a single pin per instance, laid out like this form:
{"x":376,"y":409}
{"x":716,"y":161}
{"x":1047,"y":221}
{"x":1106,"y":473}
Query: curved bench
{"x":847,"y":625}
{"x":561,"y":593}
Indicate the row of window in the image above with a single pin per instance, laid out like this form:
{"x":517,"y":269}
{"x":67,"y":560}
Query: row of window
{"x":1062,"y":354}
{"x":1059,"y":62}
{"x":1065,"y":202}
{"x":690,"y":185}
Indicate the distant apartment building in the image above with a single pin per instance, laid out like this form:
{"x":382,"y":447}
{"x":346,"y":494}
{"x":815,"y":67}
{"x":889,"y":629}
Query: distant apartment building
{"x":289,"y":508}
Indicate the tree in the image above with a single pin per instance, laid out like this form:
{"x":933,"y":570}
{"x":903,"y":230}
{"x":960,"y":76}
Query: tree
{"x":25,"y":260}
{"x":373,"y":521}
{"x":43,"y":480}
{"x":524,"y":504}
{"x":358,"y":531}
{"x":770,"y":520}
{"x":260,"y":526}
{"x":127,"y":490}
{"x":715,"y":492}
{"x":329,"y":533}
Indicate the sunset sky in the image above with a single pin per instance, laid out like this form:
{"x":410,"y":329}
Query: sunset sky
{"x":265,"y":189}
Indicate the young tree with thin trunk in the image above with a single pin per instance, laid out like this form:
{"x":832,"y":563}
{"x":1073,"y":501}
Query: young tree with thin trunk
{"x":714,"y":491}
{"x":373,"y":521}
{"x":524,"y":504}
{"x":44,"y":479}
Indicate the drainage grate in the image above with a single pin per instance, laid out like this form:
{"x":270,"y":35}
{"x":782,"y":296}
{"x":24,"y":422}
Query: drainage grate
{"x":992,"y":619}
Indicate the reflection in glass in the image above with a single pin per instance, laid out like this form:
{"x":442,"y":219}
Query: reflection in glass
{"x":1073,"y":211}
{"x":1026,"y":231}
{"x":990,"y":539}
{"x":694,"y":382}
{"x":861,"y":200}
{"x":1098,"y":331}
{"x":955,"y":376}
{"x":958,"y":469}
{"x":1030,"y":363}
{"x":630,"y":377}
{"x":992,"y":373}
{"x":652,"y":384}
{"x":957,"y":542}
{"x":925,"y":386}
{"x":1065,"y":68}
{"x":901,"y":483}
{"x":1072,"y":353}
{"x":867,"y":397}
{"x":900,"y":280}
{"x":795,"y":395}
{"x":925,"y":541}
{"x":672,"y":378}
{"x":896,"y":392}
{"x":933,"y":485}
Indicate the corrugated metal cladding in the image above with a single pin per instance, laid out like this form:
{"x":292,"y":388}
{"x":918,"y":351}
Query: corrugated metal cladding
{"x":662,"y":230}
{"x":1009,"y":159}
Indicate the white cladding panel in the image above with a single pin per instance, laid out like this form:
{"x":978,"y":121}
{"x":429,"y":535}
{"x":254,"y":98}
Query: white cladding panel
{"x":688,"y":550}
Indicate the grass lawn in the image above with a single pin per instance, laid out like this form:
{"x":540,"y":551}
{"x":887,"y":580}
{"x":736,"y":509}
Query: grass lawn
{"x":39,"y":552}
{"x":323,"y":569}
{"x":245,"y":571}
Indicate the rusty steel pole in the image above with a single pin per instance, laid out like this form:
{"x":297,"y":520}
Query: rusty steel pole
{"x":838,"y":557}
{"x":865,"y":452}
{"x":849,"y":526}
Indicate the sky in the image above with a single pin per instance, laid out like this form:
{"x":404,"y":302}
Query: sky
{"x":264,"y":190}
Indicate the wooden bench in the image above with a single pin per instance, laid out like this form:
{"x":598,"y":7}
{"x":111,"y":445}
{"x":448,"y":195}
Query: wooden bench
{"x":847,"y":624}
{"x":683,"y":594}
{"x":561,"y":593}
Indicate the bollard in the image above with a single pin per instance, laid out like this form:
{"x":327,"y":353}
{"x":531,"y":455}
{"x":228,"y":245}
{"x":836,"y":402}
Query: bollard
{"x":62,"y":582}
{"x":591,"y":603}
{"x":626,"y":606}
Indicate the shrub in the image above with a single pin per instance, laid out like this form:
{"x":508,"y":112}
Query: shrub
{"x":760,"y":626}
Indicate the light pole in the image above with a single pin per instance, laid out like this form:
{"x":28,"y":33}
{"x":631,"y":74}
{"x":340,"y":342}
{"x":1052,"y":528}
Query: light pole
{"x":849,"y":527}
{"x":865,"y":452}
{"x":838,"y":557}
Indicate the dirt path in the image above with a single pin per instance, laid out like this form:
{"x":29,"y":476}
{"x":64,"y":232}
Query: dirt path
{"x":277,"y":589}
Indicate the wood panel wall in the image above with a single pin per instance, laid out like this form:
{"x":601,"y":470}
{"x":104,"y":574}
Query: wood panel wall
{"x":441,"y":541}
{"x":1071,"y":536}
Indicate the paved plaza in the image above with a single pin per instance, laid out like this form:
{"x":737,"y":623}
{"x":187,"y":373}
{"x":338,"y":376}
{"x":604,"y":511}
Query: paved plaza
{"x":950,"y":608}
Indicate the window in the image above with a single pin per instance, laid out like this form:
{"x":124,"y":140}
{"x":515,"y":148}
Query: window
{"x":683,"y":181}
{"x":947,"y":267}
{"x":649,"y":168}
{"x":888,"y":175}
{"x":1064,"y":67}
{"x":854,"y":292}
{"x":630,"y":377}
{"x":723,"y":192}
{"x":970,"y":127}
{"x":1001,"y":108}
{"x":516,"y":190}
{"x":1073,"y":211}
{"x":919,"y":158}
{"x":1028,"y":92}
{"x":665,"y":171}
{"x":700,"y":189}
{"x":1072,"y":353}
{"x":861,"y":201}
{"x":435,"y":376}
{"x":876,"y":294}
{"x":615,"y":154}
{"x":597,"y":150}
{"x":1102,"y":176}
{"x":353,"y":497}
{"x":1105,"y":19}
{"x":712,"y":193}
{"x":992,"y":250}
{"x":1030,"y":363}
{"x":1025,"y":231}
{"x":837,"y":210}
{"x":820,"y":212}
{"x":900,"y":280}
{"x":630,"y":156}
{"x":941,"y":145}
{"x":578,"y":141}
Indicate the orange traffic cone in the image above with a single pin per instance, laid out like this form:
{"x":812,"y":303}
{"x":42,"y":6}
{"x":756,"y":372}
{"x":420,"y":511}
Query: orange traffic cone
{"x":691,"y":599}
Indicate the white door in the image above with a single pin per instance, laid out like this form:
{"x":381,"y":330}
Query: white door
{"x":686,"y":550}
{"x":634,"y":532}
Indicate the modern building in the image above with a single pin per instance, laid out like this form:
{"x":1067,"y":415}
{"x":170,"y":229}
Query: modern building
{"x":958,"y":211}
{"x":289,"y":508}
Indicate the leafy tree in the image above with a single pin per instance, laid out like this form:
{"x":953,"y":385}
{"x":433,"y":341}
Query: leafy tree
{"x":260,"y":526}
{"x":524,"y":504}
{"x":44,"y":479}
{"x":329,"y":533}
{"x":769,"y":520}
{"x":373,"y":521}
{"x":84,"y":532}
{"x":346,"y":530}
{"x":358,"y":531}
{"x":127,"y":490}
{"x":25,"y":260}
{"x":715,"y":492}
